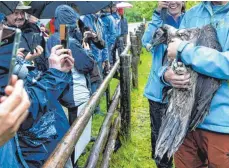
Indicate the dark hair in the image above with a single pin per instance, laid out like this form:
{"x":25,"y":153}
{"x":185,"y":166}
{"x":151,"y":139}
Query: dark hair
{"x":183,"y":7}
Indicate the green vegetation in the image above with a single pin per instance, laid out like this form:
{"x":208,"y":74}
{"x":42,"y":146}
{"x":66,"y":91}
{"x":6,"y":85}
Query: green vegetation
{"x":144,"y":9}
{"x":27,"y":2}
{"x":135,"y":153}
{"x":97,"y":123}
{"x":140,"y":10}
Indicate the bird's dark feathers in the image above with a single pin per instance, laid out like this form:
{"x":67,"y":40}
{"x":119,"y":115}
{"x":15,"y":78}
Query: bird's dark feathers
{"x":187,"y":108}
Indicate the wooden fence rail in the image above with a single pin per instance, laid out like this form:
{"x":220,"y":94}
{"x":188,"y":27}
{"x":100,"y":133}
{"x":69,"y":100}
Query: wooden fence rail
{"x":65,"y":148}
{"x":104,"y":132}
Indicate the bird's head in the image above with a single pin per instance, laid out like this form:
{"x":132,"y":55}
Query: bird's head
{"x":162,"y":36}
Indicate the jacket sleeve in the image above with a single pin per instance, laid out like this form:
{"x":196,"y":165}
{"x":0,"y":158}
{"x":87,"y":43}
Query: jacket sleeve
{"x":105,"y":54}
{"x":112,"y":31}
{"x":205,"y":60}
{"x":152,"y":26}
{"x":125,"y":26}
{"x":161,"y":72}
{"x":42,"y":89}
{"x":98,"y":42}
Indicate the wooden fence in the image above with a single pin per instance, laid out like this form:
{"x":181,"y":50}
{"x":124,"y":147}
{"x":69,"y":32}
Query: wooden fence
{"x":129,"y":59}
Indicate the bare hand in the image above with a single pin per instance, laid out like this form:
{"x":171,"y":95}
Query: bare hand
{"x":172,"y":48}
{"x":177,"y":81}
{"x":13,"y":109}
{"x":106,"y":67}
{"x":36,"y":53}
{"x":89,"y":34}
{"x":61,"y":59}
{"x":43,"y":29}
{"x":20,"y":52}
{"x":162,"y":4}
{"x":86,"y":46}
{"x":103,"y":64}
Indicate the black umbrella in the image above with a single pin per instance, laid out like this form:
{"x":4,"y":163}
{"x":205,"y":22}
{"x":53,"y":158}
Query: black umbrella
{"x":8,"y":7}
{"x":46,"y":9}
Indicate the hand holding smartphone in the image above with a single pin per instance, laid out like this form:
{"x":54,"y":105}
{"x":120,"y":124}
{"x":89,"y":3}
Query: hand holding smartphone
{"x":9,"y":43}
{"x":64,"y":36}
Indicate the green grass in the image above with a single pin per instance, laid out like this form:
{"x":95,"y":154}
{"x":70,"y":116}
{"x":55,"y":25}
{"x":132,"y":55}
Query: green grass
{"x":136,"y":152}
{"x":97,"y":122}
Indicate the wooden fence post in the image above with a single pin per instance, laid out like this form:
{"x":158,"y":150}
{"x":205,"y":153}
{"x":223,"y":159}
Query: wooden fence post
{"x":135,"y":60}
{"x":142,"y":29}
{"x":125,"y":93}
{"x":139,"y":40}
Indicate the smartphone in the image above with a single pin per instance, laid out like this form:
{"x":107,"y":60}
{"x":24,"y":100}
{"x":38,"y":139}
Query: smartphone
{"x":9,"y":44}
{"x":64,"y":35}
{"x":34,"y":43}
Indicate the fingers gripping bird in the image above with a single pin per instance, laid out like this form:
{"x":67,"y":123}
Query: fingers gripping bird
{"x":187,"y":108}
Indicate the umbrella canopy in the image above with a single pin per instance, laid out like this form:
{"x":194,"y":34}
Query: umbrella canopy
{"x":46,"y":9}
{"x":8,"y":7}
{"x":124,"y":5}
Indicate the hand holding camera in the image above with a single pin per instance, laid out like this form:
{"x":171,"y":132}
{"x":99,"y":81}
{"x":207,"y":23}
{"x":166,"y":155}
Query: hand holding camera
{"x":88,"y":35}
{"x":30,"y":56}
{"x":61,"y":59}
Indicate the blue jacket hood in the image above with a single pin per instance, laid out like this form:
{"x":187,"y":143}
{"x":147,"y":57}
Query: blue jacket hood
{"x":64,"y":14}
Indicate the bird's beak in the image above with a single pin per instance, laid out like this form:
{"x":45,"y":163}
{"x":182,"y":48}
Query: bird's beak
{"x":159,"y":37}
{"x":158,"y":41}
{"x":155,"y":42}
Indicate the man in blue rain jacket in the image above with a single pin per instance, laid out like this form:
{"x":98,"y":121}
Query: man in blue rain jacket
{"x":46,"y":124}
{"x":93,"y":22}
{"x":119,"y":45}
{"x":208,"y":145}
{"x":77,"y":96}
{"x":109,"y":31}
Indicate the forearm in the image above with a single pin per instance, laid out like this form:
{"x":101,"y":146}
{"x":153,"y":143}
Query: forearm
{"x":205,"y":60}
{"x":152,"y":27}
